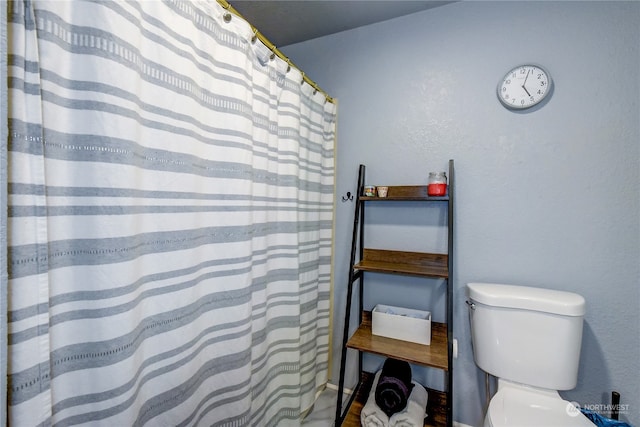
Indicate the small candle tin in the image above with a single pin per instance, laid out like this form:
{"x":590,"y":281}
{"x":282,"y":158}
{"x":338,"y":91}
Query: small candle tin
{"x":370,"y":190}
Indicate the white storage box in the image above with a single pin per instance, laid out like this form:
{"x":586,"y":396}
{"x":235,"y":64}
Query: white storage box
{"x":401,"y":323}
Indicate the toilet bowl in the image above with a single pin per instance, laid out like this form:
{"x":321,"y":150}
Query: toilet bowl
{"x":523,"y":406}
{"x":530,"y":339}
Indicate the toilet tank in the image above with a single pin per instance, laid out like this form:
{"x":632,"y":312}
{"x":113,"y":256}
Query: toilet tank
{"x":527,"y":335}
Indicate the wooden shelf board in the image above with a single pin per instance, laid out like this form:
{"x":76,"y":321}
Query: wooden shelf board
{"x":436,"y":405}
{"x":401,"y":262}
{"x":434,"y":355}
{"x":407,"y":193}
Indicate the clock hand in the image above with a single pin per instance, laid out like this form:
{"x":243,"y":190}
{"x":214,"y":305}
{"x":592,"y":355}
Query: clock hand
{"x":525,"y":82}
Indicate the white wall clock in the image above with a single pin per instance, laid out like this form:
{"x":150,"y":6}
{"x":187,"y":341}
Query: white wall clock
{"x":524,"y":86}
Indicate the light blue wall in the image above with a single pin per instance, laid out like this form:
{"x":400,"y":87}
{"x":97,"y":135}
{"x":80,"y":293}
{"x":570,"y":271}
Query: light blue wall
{"x":549,"y":198}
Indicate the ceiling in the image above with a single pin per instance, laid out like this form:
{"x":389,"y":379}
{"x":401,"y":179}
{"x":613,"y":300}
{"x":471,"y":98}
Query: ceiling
{"x":288,"y":22}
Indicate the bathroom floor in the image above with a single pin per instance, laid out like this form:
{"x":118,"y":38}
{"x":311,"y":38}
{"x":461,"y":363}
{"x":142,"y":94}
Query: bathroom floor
{"x":324,"y":410}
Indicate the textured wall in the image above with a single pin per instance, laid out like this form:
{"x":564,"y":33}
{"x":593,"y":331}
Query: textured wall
{"x":547,"y":198}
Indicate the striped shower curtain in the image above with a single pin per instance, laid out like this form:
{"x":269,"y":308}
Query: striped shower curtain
{"x":170,"y":215}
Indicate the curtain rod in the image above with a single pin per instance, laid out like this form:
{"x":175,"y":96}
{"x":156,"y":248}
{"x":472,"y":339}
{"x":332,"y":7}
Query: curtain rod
{"x":227,"y":6}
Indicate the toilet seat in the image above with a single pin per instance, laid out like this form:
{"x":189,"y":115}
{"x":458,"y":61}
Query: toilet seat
{"x":517,"y":405}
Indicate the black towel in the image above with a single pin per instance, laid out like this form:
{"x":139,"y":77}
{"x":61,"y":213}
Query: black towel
{"x":394,"y":386}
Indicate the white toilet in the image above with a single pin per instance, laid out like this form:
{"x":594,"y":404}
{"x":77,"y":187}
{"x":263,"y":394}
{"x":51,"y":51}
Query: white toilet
{"x":529,"y":338}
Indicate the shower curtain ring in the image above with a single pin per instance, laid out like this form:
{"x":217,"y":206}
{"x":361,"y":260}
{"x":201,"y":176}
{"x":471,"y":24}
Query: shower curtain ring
{"x":288,"y":65}
{"x":255,"y":36}
{"x":302,"y":82}
{"x":227,"y":16}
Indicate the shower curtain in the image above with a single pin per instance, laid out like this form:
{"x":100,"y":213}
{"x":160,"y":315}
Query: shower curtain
{"x":170,"y":216}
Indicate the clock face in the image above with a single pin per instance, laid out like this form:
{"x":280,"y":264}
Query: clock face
{"x":524,"y":86}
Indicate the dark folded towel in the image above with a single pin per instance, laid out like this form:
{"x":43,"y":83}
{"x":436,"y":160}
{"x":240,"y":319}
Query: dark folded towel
{"x":394,"y":386}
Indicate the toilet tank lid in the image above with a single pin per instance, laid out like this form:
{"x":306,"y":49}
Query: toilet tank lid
{"x":527,"y":298}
